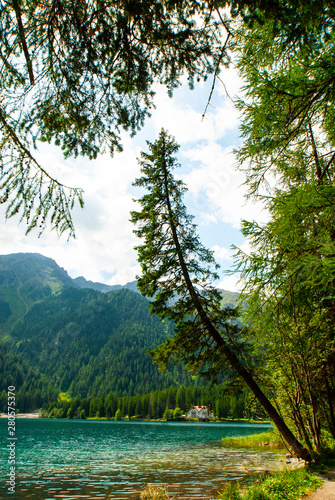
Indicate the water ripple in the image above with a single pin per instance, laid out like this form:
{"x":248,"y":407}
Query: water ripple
{"x":72,"y":460}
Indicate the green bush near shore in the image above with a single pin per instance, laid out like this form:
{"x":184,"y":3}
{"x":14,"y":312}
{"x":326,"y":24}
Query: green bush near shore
{"x":286,"y":485}
{"x":268,"y":438}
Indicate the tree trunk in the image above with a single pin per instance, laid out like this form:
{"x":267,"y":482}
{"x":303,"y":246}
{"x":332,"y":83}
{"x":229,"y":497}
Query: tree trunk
{"x":288,"y":436}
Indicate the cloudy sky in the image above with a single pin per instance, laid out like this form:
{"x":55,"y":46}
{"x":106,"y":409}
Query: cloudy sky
{"x":103,"y":249}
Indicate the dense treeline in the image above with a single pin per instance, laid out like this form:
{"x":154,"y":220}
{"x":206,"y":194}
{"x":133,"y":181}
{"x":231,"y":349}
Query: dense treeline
{"x":168,"y":403}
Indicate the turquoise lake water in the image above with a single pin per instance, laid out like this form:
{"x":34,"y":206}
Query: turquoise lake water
{"x":76,"y":459}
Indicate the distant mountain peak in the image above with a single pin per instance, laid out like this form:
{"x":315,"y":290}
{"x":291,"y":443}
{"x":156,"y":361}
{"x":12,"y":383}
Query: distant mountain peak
{"x":81,"y":282}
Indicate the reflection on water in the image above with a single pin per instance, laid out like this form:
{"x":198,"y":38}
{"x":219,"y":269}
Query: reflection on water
{"x":73,"y":460}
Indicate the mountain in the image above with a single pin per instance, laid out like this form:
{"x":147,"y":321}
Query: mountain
{"x":28,"y":278}
{"x":59,"y":334}
{"x":81,"y":282}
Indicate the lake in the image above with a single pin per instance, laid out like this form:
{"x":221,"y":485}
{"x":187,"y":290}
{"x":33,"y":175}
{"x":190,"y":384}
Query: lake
{"x":83,"y":459}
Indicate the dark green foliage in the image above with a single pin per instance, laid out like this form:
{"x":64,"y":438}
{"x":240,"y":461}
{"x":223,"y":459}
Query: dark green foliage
{"x":78,"y":340}
{"x":89,"y":343}
{"x":5,"y":311}
{"x":171,"y":250}
{"x":31,"y":387}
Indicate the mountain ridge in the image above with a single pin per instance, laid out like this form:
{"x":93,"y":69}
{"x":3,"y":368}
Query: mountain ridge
{"x":27,"y":278}
{"x":82,"y":282}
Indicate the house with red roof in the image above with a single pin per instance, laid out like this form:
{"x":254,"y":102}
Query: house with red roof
{"x":203,"y":413}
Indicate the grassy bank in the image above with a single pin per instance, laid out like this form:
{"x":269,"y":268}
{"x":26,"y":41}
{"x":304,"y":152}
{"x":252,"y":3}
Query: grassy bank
{"x":285,"y":485}
{"x":268,"y":438}
{"x":288,"y":484}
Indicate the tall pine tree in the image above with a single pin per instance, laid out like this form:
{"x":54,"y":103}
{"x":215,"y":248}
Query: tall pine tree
{"x":176,"y":274}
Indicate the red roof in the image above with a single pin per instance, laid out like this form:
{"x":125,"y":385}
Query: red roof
{"x":198,"y":408}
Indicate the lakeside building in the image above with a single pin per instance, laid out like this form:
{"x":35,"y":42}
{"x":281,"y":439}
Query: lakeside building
{"x":203,"y":413}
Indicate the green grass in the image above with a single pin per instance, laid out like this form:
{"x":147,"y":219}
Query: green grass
{"x":269,"y":438}
{"x":286,"y":485}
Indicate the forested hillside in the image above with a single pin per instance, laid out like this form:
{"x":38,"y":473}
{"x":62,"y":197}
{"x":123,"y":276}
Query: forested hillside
{"x":61,"y":338}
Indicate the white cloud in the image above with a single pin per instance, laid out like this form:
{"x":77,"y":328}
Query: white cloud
{"x":104,"y":238}
{"x":186,"y":124}
{"x":217,"y":187}
{"x":230,"y":83}
{"x":230,"y":283}
{"x":221,"y":253}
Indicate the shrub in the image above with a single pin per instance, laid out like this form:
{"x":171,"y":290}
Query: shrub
{"x":231,"y":492}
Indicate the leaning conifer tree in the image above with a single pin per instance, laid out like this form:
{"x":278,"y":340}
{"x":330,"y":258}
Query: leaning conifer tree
{"x":176,"y":274}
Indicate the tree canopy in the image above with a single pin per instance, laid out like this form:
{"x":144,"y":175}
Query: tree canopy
{"x":77,"y":73}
